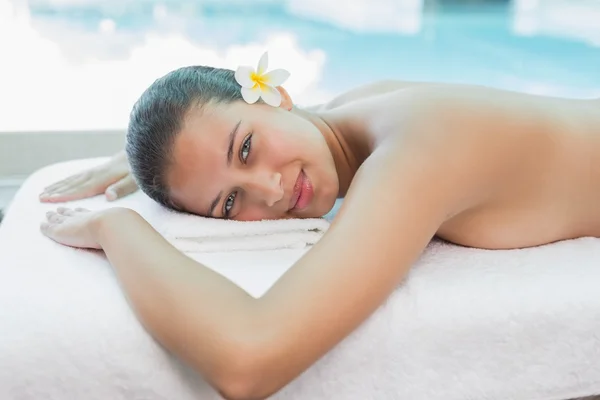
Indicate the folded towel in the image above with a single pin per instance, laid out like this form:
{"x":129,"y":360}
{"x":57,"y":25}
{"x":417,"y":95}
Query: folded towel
{"x":192,"y":233}
{"x":465,"y":324}
{"x":284,"y":240}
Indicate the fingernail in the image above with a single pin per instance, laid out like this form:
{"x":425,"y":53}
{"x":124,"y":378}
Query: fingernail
{"x":111,"y":195}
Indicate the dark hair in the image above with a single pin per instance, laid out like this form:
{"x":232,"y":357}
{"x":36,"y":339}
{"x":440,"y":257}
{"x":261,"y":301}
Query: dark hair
{"x":157,"y":118}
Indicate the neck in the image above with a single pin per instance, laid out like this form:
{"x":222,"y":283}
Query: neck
{"x":341,"y":148}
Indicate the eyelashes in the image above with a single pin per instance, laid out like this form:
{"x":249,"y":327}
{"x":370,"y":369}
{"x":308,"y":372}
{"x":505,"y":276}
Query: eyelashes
{"x":228,"y":204}
{"x":245,"y":150}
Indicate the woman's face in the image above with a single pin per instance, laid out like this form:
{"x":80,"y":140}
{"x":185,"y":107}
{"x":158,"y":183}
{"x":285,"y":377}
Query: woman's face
{"x":252,"y":162}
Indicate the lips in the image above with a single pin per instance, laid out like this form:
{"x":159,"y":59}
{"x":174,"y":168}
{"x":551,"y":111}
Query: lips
{"x":302,"y":193}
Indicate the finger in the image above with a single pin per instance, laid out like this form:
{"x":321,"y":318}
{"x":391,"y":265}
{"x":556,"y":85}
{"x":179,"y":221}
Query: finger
{"x":57,"y":218}
{"x":66,"y":184}
{"x":61,"y":182}
{"x":75,"y":184}
{"x":54,"y":217}
{"x":45,"y":227}
{"x":73,"y":194}
{"x":65,"y":211}
{"x":122,"y":188}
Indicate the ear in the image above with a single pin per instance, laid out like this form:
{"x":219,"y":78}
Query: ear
{"x":286,"y":100}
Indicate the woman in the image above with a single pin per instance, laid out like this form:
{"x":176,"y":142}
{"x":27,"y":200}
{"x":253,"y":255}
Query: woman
{"x":475,"y":166}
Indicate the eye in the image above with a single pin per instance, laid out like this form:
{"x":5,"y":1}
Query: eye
{"x":245,"y":148}
{"x":228,"y":204}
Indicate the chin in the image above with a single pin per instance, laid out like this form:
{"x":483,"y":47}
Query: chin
{"x":323,"y":208}
{"x":330,"y":206}
{"x":330,"y":197}
{"x":324,"y":195}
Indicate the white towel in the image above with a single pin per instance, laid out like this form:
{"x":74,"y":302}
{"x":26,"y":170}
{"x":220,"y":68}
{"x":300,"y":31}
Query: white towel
{"x":194,"y":234}
{"x":465,"y":324}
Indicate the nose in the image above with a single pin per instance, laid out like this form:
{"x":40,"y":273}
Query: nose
{"x":266,"y":186}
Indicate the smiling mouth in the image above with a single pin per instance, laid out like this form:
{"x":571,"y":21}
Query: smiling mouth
{"x":302,"y":194}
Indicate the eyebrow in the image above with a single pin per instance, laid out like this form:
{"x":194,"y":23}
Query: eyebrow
{"x":214,"y":204}
{"x":232,"y":136}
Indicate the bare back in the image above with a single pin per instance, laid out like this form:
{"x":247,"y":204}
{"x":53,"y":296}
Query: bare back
{"x":537,"y":158}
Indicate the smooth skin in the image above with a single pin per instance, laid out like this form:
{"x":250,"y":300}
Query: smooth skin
{"x":475,"y":166}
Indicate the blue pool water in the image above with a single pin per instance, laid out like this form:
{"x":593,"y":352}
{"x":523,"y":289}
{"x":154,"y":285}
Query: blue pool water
{"x":80,"y":65}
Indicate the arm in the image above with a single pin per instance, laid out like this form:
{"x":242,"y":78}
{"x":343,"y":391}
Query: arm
{"x":247,"y":347}
{"x":250,"y":348}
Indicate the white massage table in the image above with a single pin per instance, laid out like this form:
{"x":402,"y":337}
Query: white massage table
{"x":466,"y":324}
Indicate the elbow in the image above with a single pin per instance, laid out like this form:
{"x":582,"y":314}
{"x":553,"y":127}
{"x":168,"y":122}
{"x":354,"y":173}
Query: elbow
{"x":241,"y":391}
{"x":246,"y":377}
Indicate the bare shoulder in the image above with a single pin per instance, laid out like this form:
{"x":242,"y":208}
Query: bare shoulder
{"x":484,"y":136}
{"x":366,"y":91}
{"x":473,"y":140}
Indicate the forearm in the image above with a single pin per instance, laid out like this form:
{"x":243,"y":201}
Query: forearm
{"x":191,"y":310}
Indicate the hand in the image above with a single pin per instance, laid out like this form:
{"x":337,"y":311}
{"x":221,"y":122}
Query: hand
{"x":72,"y":227}
{"x":112,"y":178}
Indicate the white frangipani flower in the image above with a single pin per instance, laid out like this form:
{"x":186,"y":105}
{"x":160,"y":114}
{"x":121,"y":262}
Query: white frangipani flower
{"x":256,"y":84}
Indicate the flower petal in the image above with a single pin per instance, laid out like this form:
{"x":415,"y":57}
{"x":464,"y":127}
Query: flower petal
{"x":271,"y":96}
{"x":243,"y":76}
{"x":263,"y":63}
{"x":251,"y":95}
{"x":276,"y":77}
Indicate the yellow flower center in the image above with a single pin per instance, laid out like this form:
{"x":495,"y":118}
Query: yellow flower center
{"x":258,"y":79}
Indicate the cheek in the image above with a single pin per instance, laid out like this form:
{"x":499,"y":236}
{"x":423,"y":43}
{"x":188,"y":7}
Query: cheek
{"x":252,"y":213}
{"x":294,"y":146}
{"x":287,"y":137}
{"x":279,"y":148}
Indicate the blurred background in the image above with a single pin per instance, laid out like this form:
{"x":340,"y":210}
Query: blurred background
{"x":70,"y":70}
